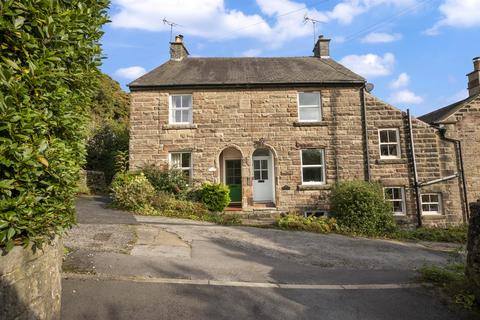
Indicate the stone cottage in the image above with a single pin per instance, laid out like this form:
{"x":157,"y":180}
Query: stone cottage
{"x":461,"y":121}
{"x":281,"y":131}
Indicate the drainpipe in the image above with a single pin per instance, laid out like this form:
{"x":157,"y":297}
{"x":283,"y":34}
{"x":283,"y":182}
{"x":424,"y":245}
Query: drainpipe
{"x":415,"y":173}
{"x":365,"y":133}
{"x":442,"y":130}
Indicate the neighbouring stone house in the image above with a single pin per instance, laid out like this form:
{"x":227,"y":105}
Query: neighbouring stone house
{"x":280,"y":132}
{"x":461,"y":120}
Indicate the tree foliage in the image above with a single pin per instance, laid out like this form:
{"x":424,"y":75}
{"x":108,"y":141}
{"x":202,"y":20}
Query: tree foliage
{"x":49,"y":58}
{"x":110,"y":101}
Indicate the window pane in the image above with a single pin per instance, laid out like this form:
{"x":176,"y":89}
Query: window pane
{"x":397,"y":206}
{"x":312,"y":157}
{"x":384,"y":150}
{"x":187,"y":101}
{"x":313,"y":174}
{"x":176,"y":101}
{"x":383,"y":136}
{"x":309,"y":114}
{"x":185,"y":116}
{"x":256,"y":175}
{"x":309,"y":98}
{"x":186,"y":173}
{"x":388,"y":193}
{"x":186,"y":159}
{"x":392,"y":149}
{"x":176,"y":160}
{"x":178,"y":116}
{"x":434,"y":207}
{"x":392,"y":135}
{"x":265,"y":174}
{"x":256,"y":164}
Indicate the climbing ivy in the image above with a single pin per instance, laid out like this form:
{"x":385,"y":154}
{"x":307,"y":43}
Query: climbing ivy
{"x":49,"y":58}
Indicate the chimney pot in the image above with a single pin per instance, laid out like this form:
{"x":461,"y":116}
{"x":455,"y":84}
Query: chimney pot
{"x":474,"y":78}
{"x":322,"y":47}
{"x":178,"y":51}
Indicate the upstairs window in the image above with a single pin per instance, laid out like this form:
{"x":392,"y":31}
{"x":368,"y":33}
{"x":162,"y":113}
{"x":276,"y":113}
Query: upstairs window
{"x":396,"y":196}
{"x":431,"y":203}
{"x":182,"y":161}
{"x":313,"y":166}
{"x":309,"y":107}
{"x":389,"y":143}
{"x":181,"y":108}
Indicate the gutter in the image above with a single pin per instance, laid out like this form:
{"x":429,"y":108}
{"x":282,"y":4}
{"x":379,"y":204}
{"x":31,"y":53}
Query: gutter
{"x":442,"y":130}
{"x":416,"y":185}
{"x":365,"y":134}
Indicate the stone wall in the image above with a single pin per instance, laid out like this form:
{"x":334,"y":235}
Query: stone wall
{"x":473,"y":249}
{"x":92,"y":182}
{"x":435,"y":157}
{"x":30,"y":283}
{"x":248,"y":118}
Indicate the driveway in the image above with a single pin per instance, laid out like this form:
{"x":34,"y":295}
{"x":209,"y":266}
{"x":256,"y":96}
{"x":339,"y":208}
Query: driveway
{"x":135,"y":267}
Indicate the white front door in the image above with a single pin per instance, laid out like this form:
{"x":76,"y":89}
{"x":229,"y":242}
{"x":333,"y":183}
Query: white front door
{"x":262,"y":179}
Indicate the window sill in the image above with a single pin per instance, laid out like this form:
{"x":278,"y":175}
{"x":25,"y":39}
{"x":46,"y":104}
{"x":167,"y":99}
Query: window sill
{"x":391,"y":161}
{"x":310,"y":124}
{"x":179,"y":126}
{"x":433,"y":216}
{"x":306,"y":187}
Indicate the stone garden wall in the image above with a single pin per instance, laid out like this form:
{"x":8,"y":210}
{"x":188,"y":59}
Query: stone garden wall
{"x":30,"y":283}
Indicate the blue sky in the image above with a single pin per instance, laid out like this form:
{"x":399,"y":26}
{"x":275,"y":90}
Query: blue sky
{"x":416,"y":53}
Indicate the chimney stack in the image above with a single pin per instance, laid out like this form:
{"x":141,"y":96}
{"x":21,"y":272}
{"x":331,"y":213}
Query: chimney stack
{"x":474,"y":78}
{"x":177,"y":50}
{"x":322,"y":48}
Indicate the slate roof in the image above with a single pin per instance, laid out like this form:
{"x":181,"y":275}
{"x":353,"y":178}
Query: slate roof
{"x":246,"y":71}
{"x":445,"y":112}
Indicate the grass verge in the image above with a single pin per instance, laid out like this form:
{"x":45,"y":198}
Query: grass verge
{"x":452,"y":283}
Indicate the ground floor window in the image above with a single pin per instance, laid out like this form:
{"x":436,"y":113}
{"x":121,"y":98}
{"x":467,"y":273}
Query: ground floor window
{"x":431,"y":203}
{"x":313,"y":166}
{"x":182,"y":161}
{"x":396,"y":196}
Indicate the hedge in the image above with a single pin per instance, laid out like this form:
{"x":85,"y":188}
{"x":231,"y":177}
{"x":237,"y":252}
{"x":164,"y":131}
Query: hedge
{"x":49,"y":58}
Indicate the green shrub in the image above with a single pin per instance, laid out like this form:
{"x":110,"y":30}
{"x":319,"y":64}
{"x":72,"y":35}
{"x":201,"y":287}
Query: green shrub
{"x":104,"y":146}
{"x":49,"y":58}
{"x":132,"y":191}
{"x":215,"y":196}
{"x":311,"y":223}
{"x":171,"y":181}
{"x":167,"y":205}
{"x":451,"y":234}
{"x":360,"y":208}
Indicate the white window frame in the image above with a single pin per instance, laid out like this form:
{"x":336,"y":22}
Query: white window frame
{"x":190,"y":168}
{"x":439,"y":203}
{"x":322,"y":165}
{"x":320,"y":115}
{"x":380,"y":143}
{"x":402,"y":190}
{"x":171,"y":113}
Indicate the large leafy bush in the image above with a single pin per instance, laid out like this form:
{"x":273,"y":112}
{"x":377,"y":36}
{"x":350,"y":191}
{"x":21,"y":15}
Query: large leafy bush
{"x":49,"y":54}
{"x":171,"y":181}
{"x":215,"y":196}
{"x":360,"y":207}
{"x":132,"y":191}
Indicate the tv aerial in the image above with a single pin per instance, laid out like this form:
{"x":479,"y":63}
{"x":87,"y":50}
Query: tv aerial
{"x":307,"y":19}
{"x":171,"y":24}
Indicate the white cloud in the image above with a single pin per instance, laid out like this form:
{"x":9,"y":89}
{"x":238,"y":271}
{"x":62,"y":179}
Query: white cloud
{"x":401,"y":82}
{"x":252,"y":53}
{"x":370,"y":65}
{"x":405,"y":97}
{"x":212,"y":20}
{"x":457,"y":13}
{"x":381,"y":37}
{"x":130,"y":73}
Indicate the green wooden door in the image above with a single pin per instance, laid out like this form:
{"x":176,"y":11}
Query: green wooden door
{"x":233,"y":179}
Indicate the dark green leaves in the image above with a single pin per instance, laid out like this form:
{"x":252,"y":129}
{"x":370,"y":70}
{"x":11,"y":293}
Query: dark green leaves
{"x":49,"y":55}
